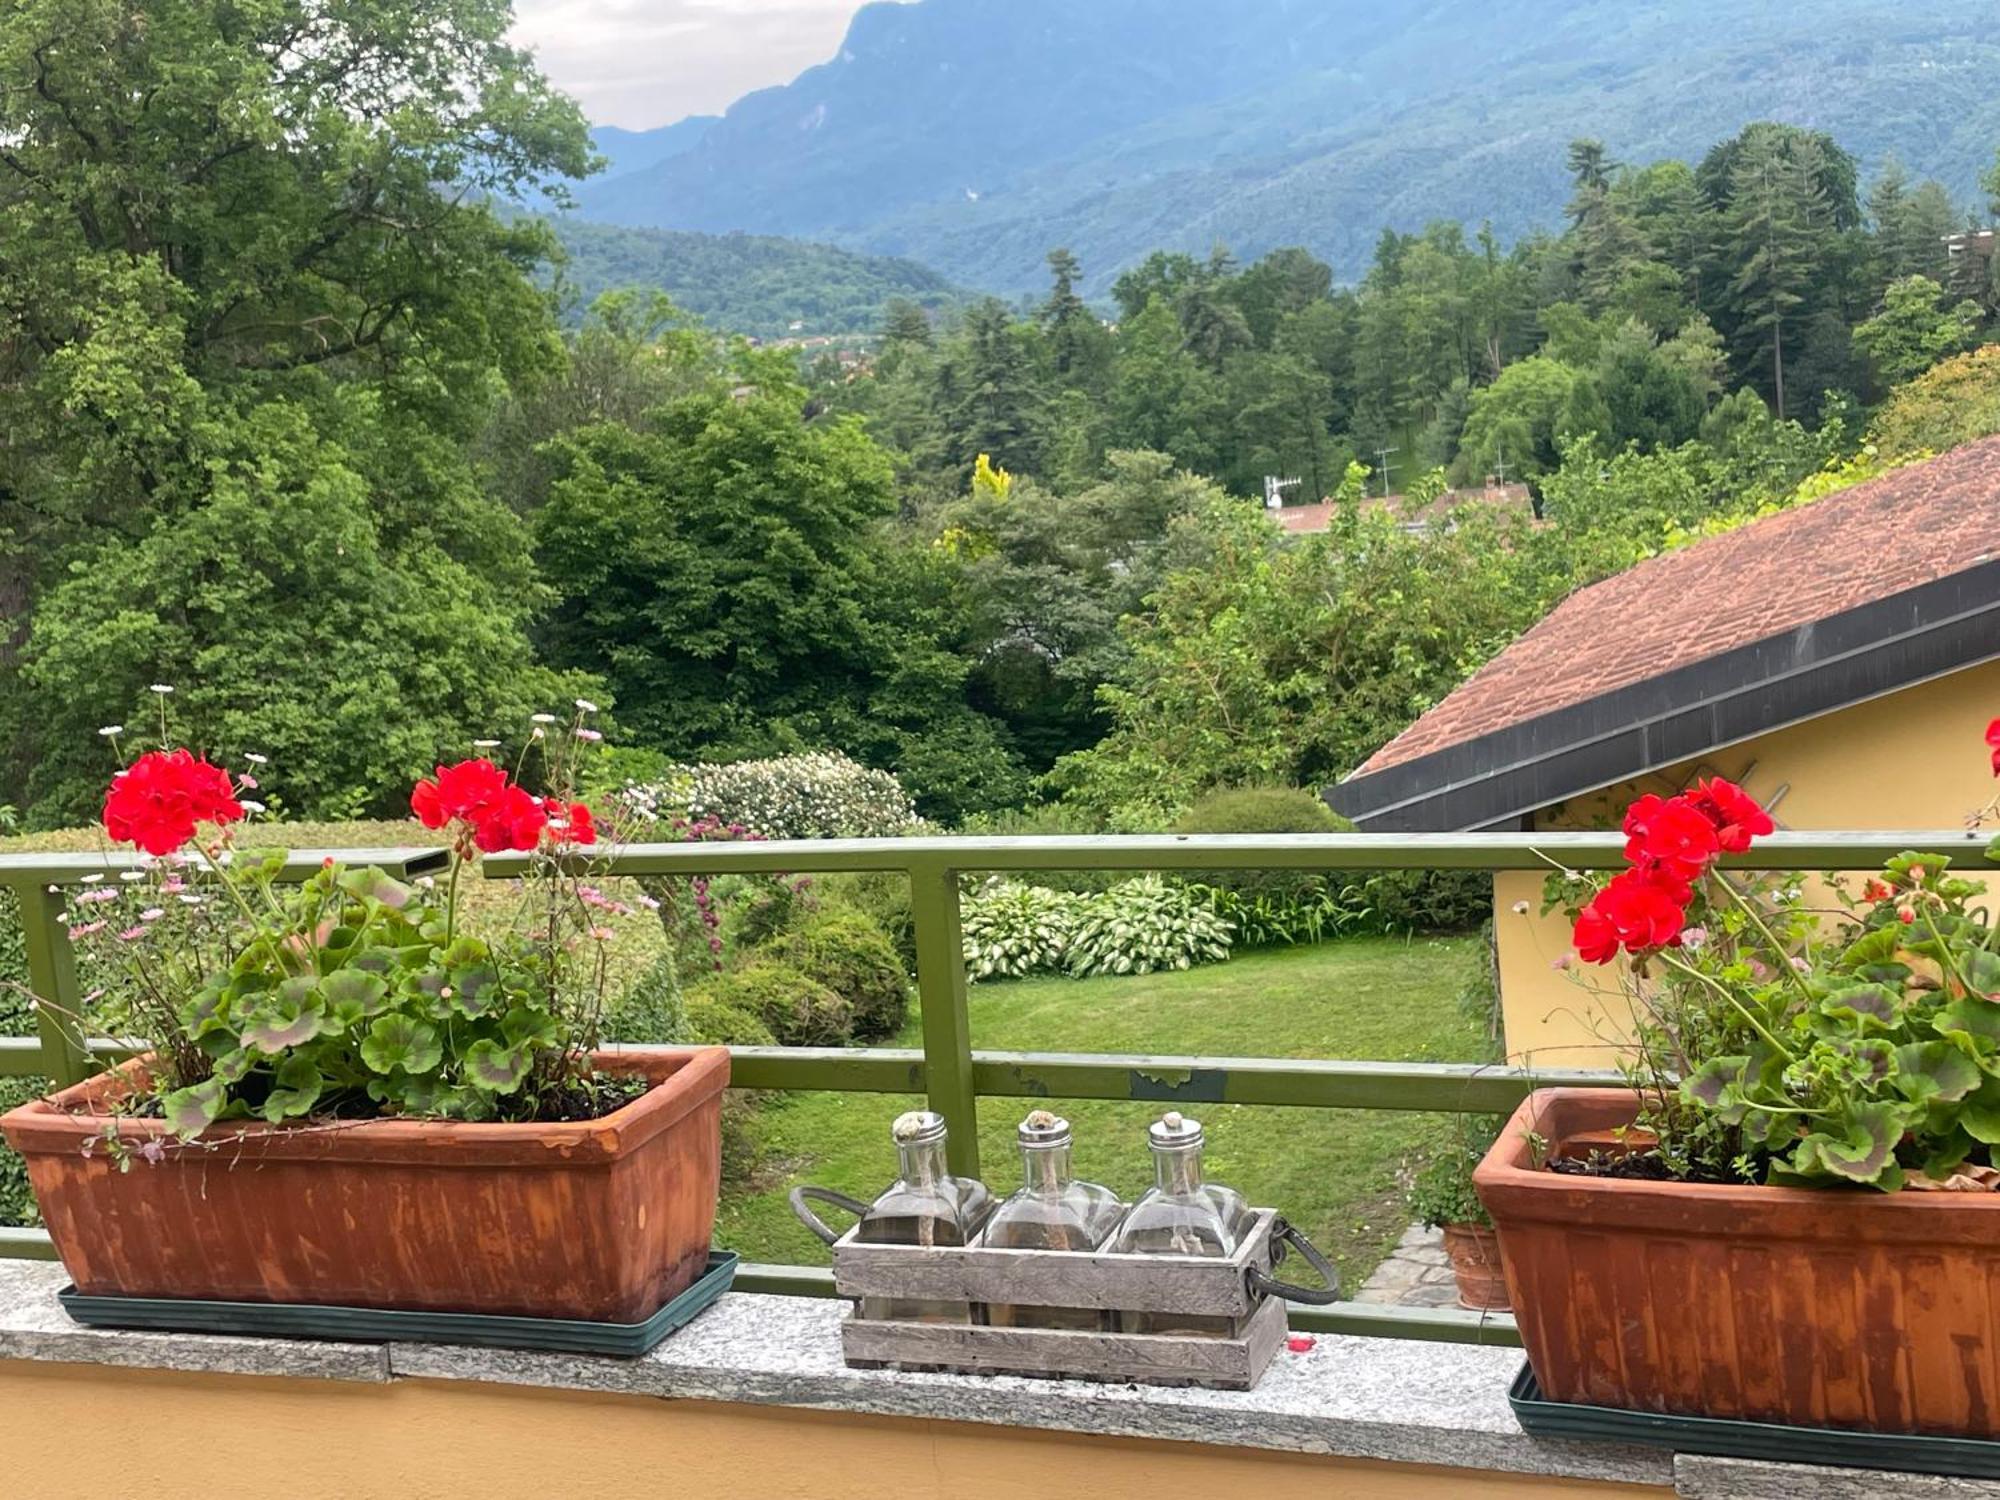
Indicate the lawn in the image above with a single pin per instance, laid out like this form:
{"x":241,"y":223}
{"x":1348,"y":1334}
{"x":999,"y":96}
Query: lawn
{"x":1337,"y":1173}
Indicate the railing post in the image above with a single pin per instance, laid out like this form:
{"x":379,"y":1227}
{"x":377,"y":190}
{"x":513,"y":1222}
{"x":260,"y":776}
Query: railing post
{"x":52,"y":979}
{"x":947,"y":1029}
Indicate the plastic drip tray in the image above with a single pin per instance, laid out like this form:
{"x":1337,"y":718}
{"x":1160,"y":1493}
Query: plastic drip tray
{"x":1832,"y":1447}
{"x":366,"y":1325}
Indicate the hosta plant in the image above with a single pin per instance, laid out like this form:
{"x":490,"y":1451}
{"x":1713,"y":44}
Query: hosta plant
{"x":1143,"y":926}
{"x":1787,"y":1043}
{"x":1012,"y":930}
{"x":352,"y":993}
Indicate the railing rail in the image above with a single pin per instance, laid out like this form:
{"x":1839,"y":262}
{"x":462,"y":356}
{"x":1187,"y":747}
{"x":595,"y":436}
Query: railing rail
{"x":948,"y":1070}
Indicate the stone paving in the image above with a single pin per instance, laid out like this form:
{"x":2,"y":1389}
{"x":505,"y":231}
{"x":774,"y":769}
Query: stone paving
{"x":1416,"y":1274}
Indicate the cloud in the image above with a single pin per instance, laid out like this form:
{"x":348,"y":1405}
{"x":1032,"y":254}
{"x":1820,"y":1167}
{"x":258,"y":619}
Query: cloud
{"x":639,"y":63}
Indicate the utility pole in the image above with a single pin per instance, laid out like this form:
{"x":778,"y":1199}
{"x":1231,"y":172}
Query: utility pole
{"x":1500,"y":468}
{"x":1383,"y":454}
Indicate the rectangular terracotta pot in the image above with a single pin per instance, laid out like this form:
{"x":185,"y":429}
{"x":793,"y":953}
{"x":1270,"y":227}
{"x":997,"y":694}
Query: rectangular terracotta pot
{"x":601,"y":1219}
{"x":1824,"y":1308}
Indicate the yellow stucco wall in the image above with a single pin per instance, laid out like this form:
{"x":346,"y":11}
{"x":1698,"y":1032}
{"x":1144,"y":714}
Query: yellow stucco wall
{"x":1911,"y":759}
{"x":88,"y":1430}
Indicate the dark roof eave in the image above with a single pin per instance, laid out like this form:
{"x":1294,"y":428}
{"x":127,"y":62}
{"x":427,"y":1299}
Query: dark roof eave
{"x":1875,"y":648}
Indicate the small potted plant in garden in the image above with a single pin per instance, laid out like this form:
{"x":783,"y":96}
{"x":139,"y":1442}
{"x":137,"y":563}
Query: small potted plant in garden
{"x":1442,"y":1198}
{"x":354,"y":1093}
{"x":1791,"y":1217}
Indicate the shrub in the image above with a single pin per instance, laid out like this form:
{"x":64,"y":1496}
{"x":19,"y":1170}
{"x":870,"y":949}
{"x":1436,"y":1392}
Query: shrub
{"x":1273,"y":906}
{"x":716,"y":1018}
{"x":1421,"y":900}
{"x":795,"y":1008}
{"x":819,"y":796}
{"x":1442,"y":1191}
{"x":883,"y":896}
{"x":651,"y":1008}
{"x":1011,"y":929}
{"x":1143,"y":926}
{"x":17,"y":1199}
{"x":849,"y":954}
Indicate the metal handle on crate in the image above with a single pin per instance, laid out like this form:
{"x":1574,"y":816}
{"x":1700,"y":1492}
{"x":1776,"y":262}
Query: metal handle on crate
{"x":812,"y":1221}
{"x":1283,"y":1234}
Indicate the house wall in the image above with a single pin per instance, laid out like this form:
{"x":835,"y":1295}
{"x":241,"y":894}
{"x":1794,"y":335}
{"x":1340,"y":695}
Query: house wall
{"x":91,"y":1430}
{"x":1913,"y":759}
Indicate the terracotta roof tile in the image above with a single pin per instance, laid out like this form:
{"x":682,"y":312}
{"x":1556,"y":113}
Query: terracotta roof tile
{"x":1905,"y":529}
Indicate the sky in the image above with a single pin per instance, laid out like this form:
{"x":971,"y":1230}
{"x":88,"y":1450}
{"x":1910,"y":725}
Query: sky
{"x":640,"y":63}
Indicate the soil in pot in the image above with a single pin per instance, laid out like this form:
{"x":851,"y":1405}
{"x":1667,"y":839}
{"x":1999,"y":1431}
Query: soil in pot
{"x":1475,"y":1263}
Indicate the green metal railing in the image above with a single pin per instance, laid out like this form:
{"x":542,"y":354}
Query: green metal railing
{"x":948,"y":1070}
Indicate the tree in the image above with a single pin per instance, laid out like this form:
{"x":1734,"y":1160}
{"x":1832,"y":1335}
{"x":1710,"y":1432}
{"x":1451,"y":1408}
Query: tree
{"x":1777,"y":204}
{"x":210,"y":212}
{"x":1517,"y":420}
{"x":996,"y":405}
{"x":293,"y":621}
{"x":1075,"y":338}
{"x":1915,"y":329}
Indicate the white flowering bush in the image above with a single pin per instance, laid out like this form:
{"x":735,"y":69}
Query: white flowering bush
{"x":1013,"y":930}
{"x":1144,"y":926}
{"x":824,"y":795}
{"x":1137,"y":927}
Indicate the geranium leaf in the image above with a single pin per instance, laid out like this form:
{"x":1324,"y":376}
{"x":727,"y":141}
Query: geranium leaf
{"x":496,"y":1069}
{"x":1935,"y":1071}
{"x":353,"y":994}
{"x":1976,"y":1019}
{"x":1981,"y":969}
{"x":1979,"y":1114}
{"x":1711,"y":1085}
{"x":1864,"y":1151}
{"x":299,"y":1085}
{"x":1868,"y":1006}
{"x":284,"y":1021}
{"x":399,"y":1041}
{"x":475,"y":990}
{"x":372,"y":884}
{"x":192,"y":1110}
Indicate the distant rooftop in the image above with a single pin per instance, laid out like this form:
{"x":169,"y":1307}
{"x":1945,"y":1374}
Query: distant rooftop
{"x":1310,"y":520}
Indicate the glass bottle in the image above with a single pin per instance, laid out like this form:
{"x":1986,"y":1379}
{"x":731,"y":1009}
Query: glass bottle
{"x":925,"y":1205}
{"x":1181,"y":1214}
{"x":1053,"y":1211}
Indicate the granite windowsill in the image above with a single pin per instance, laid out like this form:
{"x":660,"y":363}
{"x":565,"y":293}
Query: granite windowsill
{"x":1391,"y":1400}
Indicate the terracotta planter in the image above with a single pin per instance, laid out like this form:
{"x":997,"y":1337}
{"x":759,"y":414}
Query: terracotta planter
{"x":601,"y":1219}
{"x":1832,"y":1308}
{"x":1475,"y":1262}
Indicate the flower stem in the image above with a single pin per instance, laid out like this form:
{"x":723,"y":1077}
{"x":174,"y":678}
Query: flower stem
{"x":1741,"y":1009}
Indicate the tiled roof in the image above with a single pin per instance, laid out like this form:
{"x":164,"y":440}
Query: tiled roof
{"x":1310,"y":520}
{"x":1852,"y":548}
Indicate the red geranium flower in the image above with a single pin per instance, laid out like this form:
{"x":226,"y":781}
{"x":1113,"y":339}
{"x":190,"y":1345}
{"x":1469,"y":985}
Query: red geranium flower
{"x":514,"y":820}
{"x":1993,"y":741}
{"x":1738,"y":817}
{"x":158,"y":801}
{"x":461,"y":793}
{"x":1670,"y":835}
{"x":578,"y":827}
{"x":1634,"y":912}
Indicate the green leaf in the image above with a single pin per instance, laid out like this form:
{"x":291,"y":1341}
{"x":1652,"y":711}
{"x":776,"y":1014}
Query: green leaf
{"x":1715,"y":1083}
{"x":475,"y":990}
{"x":399,"y":1041}
{"x":1877,"y":946}
{"x":1979,"y":1114}
{"x":526,"y":1026}
{"x":234,"y":1065}
{"x":496,"y":1069}
{"x":1976,"y":1020}
{"x":1981,"y":968}
{"x":1938,"y":1071}
{"x":192,"y":1110}
{"x":1867,"y":1006}
{"x":372,"y":884}
{"x":1863,"y":1151}
{"x":299,"y":1086}
{"x":354,"y":994}
{"x":286,"y":1018}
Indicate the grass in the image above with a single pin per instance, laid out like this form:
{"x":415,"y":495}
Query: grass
{"x":1338,"y":1174}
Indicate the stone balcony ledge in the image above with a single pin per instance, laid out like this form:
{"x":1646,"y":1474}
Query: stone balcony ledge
{"x":1395,"y":1401}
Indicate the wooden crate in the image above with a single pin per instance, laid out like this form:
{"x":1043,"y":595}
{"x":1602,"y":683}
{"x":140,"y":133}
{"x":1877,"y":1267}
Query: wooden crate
{"x":1097,"y":1281}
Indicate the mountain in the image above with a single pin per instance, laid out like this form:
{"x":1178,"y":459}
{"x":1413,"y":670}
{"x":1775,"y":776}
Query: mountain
{"x":635,"y":150}
{"x":973,"y":135}
{"x":752,"y":284}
